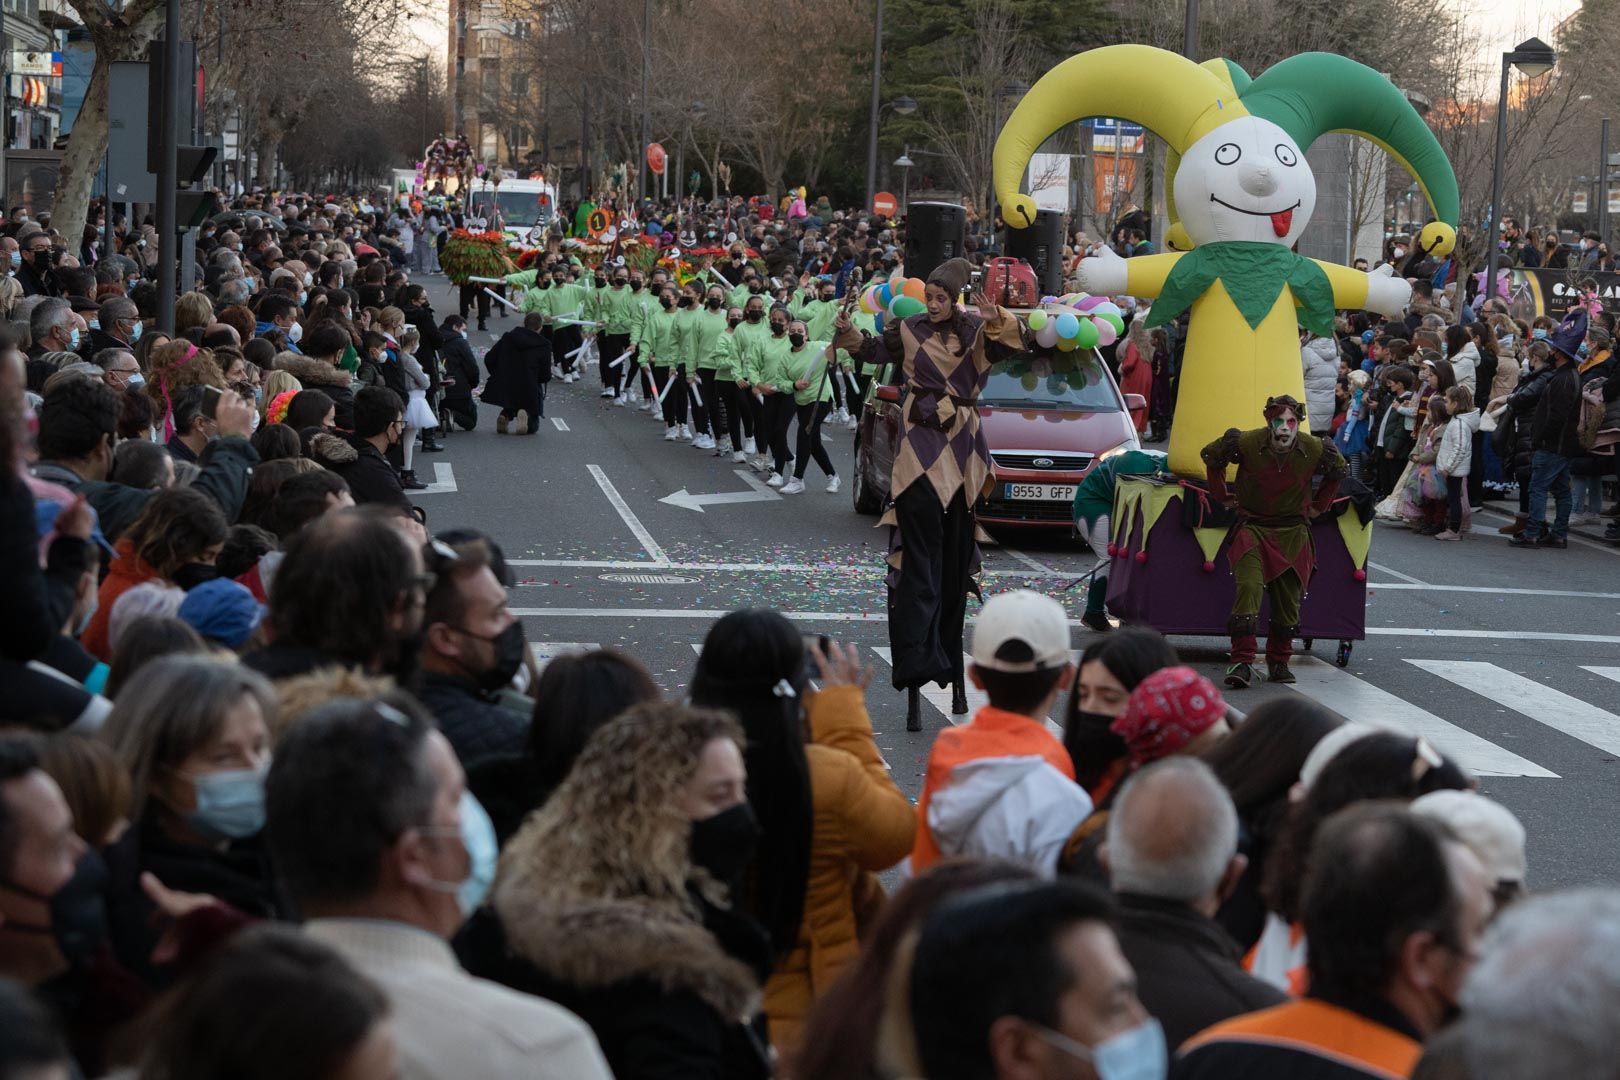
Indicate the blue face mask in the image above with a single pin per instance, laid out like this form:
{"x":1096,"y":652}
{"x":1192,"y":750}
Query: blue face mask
{"x":1137,"y":1054}
{"x":73,"y":340}
{"x":135,"y":333}
{"x":16,"y":259}
{"x":1582,"y":349}
{"x":230,"y":804}
{"x":95,"y":324}
{"x":477,"y":836}
{"x":1539,"y":333}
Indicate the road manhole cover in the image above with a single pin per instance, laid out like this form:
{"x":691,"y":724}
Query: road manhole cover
{"x":648,"y":579}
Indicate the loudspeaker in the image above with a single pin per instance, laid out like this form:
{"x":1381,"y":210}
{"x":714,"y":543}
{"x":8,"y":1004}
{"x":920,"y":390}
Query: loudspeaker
{"x":935,"y":232}
{"x":1040,"y":245}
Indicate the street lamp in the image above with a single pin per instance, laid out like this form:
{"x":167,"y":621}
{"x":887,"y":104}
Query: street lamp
{"x":1533,"y":58}
{"x":904,"y":164}
{"x":903,"y":104}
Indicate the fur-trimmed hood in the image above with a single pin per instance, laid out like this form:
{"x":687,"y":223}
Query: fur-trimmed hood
{"x":331,"y":450}
{"x":595,"y":944}
{"x":311,"y":372}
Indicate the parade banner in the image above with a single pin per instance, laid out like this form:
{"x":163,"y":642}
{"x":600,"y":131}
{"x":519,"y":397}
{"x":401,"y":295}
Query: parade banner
{"x":1552,"y":292}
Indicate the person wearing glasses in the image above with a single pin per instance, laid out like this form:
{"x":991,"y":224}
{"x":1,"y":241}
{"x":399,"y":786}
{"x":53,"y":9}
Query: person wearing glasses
{"x":119,"y":369}
{"x":38,"y":257}
{"x":360,"y":457}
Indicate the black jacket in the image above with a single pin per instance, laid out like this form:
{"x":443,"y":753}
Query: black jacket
{"x":1521,"y":407}
{"x":460,"y":365}
{"x":473,"y":722}
{"x":332,"y":381}
{"x":226,"y":468}
{"x":1189,"y":973}
{"x":371,"y":479}
{"x":1555,"y":424}
{"x":427,"y":353}
{"x":35,"y":283}
{"x":653,"y":1025}
{"x":518,"y":363}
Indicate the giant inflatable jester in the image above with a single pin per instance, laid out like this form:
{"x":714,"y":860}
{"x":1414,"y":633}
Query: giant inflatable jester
{"x":1242,"y":194}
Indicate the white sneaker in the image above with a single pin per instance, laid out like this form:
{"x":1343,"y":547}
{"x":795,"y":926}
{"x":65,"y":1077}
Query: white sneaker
{"x":775,"y":481}
{"x":686,"y":432}
{"x":634,"y":396}
{"x":793,"y":487}
{"x":607,"y":392}
{"x":738,"y":457}
{"x":760,"y":462}
{"x":749,"y":447}
{"x":649,"y":405}
{"x":833,"y":484}
{"x":1584,"y":519}
{"x":853,"y":425}
{"x":724,"y":445}
{"x":703,"y":442}
{"x":672,"y":433}
{"x":623,"y":401}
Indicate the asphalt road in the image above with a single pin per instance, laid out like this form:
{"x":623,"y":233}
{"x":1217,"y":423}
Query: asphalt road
{"x":1505,"y":659}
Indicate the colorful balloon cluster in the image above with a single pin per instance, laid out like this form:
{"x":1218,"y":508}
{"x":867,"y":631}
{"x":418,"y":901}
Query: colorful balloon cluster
{"x":1076,"y":321}
{"x":896,"y":296}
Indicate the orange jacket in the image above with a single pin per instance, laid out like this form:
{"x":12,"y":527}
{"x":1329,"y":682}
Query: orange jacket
{"x":127,"y":571}
{"x":862,"y":824}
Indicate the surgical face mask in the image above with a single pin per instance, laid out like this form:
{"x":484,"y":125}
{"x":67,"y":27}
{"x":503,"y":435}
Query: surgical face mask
{"x":477,"y":836}
{"x":309,"y":278}
{"x":1136,"y":1054}
{"x":136,"y":381}
{"x":796,"y":339}
{"x":1581,"y":349}
{"x":1399,"y":253}
{"x":135,"y":333}
{"x":16,"y":259}
{"x":78,"y":911}
{"x":295,"y":333}
{"x":95,"y":324}
{"x":1539,"y":333}
{"x":230,"y":804}
{"x":73,"y":340}
{"x":303,"y":298}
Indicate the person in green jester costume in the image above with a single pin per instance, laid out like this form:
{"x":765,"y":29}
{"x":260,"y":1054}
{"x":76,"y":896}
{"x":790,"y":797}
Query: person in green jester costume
{"x":1093,"y":510}
{"x":1270,"y":544}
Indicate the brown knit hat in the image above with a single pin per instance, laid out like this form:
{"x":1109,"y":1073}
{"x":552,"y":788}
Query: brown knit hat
{"x":952,"y":275}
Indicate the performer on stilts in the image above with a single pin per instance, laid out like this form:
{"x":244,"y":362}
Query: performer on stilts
{"x":1270,"y":544}
{"x":942,"y":468}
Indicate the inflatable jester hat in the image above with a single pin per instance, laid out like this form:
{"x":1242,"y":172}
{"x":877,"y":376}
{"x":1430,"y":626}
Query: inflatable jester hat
{"x":1241,"y":194}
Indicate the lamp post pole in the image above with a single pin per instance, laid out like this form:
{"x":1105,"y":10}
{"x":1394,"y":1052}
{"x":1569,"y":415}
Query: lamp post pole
{"x":1603,"y":184}
{"x":1534,"y":58}
{"x":872,"y":115}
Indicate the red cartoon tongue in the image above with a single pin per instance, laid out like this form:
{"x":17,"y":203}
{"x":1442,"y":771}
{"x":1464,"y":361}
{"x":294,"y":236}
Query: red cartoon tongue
{"x":1281,"y":221}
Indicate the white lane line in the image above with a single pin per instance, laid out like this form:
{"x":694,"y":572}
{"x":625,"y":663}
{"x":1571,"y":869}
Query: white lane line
{"x":1381,"y":568}
{"x":444,"y":480}
{"x":940,"y":697}
{"x":1038,"y":567}
{"x":879,"y":616}
{"x":875,"y":568}
{"x":1538,"y":701}
{"x":1610,"y":673}
{"x":559,"y":423}
{"x":1425,"y":587}
{"x":628,"y":516}
{"x":1354,"y":699}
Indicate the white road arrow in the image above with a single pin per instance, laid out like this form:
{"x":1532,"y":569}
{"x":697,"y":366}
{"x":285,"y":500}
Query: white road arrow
{"x":758,"y":492}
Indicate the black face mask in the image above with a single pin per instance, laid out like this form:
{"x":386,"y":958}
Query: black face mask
{"x":635,"y":286}
{"x":755,"y":287}
{"x":778,"y":329}
{"x":1093,"y":719}
{"x":714,"y":303}
{"x":668,"y":302}
{"x":796,"y":339}
{"x":755,"y":316}
{"x":621,"y":282}
{"x":600,"y":282}
{"x":826,"y":298}
{"x":724,"y":843}
{"x":733,"y":323}
{"x":686,"y":301}
{"x":78,"y":911}
{"x":542,"y":284}
{"x":509,"y":645}
{"x":191,"y":575}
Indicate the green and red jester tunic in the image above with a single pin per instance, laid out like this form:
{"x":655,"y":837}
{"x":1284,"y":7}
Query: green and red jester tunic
{"x":1273,"y":493}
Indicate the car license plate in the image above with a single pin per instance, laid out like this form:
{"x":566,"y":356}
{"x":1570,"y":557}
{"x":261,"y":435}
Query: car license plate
{"x":1040,"y":492}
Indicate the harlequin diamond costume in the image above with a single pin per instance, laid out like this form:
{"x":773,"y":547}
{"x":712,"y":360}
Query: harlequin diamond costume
{"x":1270,"y":543}
{"x":940,"y":470}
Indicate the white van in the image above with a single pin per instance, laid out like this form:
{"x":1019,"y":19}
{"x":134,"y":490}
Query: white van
{"x":523,"y":207}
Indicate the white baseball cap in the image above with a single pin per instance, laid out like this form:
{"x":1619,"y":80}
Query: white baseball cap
{"x":1485,"y":827}
{"x":1031,"y":619}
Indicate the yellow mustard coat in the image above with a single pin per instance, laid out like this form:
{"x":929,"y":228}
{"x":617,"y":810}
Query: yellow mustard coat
{"x":863,"y":823}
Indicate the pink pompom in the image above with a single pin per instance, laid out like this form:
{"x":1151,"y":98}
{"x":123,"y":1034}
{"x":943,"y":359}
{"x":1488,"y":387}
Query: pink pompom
{"x":1113,"y":549}
{"x":1361,"y":575}
{"x":1141,"y":556}
{"x":1209,"y":567}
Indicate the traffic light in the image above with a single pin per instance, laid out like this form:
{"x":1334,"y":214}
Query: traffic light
{"x":192,"y":208}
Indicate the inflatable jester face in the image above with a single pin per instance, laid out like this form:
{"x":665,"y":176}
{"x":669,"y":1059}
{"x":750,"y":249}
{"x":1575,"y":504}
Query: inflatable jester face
{"x":1245,"y":180}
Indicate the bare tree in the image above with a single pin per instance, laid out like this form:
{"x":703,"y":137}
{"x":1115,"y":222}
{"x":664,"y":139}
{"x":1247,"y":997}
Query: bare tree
{"x":965,"y":107}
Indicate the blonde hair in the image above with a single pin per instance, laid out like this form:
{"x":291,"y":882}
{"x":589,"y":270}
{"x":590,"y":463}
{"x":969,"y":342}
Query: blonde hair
{"x":1461,"y":397}
{"x":192,"y":309}
{"x":276,"y":383}
{"x":391,"y":316}
{"x":410,"y":340}
{"x":10,"y":292}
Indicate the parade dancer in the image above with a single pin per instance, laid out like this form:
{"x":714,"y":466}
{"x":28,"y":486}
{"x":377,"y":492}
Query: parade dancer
{"x":940,"y":471}
{"x":618,"y":323}
{"x":1270,"y":545}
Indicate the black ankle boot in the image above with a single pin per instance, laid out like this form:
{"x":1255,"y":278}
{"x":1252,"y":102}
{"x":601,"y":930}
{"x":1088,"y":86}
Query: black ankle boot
{"x":913,"y":709}
{"x":958,"y":699}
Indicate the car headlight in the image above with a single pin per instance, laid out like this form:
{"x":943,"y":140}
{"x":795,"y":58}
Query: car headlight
{"x":1128,"y":444}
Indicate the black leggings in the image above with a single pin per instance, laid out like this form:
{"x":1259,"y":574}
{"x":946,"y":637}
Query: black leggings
{"x":700,"y":412}
{"x":1455,"y":485}
{"x":753,"y":418}
{"x":674,"y":406}
{"x":609,"y":347}
{"x":810,"y":418}
{"x":777,"y":417}
{"x":720,"y":395}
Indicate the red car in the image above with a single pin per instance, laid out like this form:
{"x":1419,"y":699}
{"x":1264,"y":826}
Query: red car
{"x":1044,"y":432}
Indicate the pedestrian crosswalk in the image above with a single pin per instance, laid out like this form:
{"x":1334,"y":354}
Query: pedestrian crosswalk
{"x":1488,"y":742}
